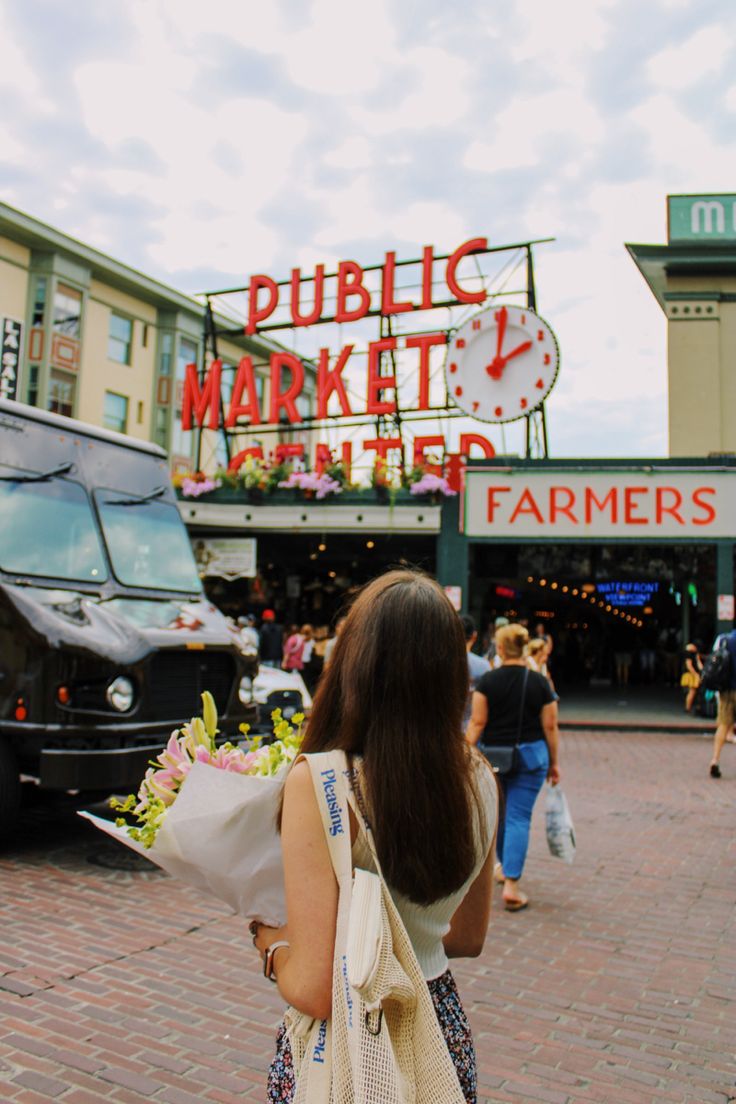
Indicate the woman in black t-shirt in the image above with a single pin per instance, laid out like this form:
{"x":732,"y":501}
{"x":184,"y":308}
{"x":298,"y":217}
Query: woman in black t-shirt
{"x":500,"y":717}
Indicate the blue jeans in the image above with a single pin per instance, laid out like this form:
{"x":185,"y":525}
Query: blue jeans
{"x":520,"y":791}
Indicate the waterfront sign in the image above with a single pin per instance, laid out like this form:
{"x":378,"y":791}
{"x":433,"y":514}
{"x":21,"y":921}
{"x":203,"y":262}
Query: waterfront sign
{"x":701,"y":218}
{"x":631,"y":505}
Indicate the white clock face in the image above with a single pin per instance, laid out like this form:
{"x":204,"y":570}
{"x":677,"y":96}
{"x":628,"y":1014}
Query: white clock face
{"x":501,"y":364}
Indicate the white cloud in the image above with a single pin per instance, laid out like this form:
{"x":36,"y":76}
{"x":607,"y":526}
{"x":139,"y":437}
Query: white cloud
{"x":683,"y":65}
{"x":355,"y":152}
{"x":439,"y":96}
{"x":524,"y":132}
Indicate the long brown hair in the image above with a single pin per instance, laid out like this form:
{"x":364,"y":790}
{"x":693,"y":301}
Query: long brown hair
{"x":394,"y":693}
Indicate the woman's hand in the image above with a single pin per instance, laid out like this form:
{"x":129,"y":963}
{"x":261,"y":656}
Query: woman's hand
{"x":264,"y":936}
{"x":553,"y":774}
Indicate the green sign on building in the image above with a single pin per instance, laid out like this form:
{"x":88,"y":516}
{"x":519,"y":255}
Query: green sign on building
{"x":701,"y":218}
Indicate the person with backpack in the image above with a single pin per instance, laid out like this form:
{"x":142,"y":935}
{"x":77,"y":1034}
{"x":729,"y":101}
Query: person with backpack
{"x":719,"y":673}
{"x":421,"y":813}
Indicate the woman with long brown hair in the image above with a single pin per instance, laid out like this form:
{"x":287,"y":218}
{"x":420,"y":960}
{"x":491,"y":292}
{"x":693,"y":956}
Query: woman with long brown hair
{"x":393,"y":701}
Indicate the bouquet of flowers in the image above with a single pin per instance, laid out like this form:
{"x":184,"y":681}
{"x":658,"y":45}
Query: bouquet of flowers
{"x":207,"y":814}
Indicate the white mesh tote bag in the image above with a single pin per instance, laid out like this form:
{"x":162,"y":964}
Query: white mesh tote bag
{"x":383,"y":1044}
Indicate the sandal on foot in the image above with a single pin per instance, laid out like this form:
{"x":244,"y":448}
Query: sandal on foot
{"x":498,"y":874}
{"x":515,"y":904}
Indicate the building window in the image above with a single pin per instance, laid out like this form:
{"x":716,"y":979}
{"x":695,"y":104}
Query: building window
{"x":61,"y":393}
{"x":67,"y":310}
{"x":120,"y":338}
{"x":32,"y":387}
{"x":39,"y":302}
{"x":144,"y":339}
{"x":115,"y":412}
{"x":160,"y":429}
{"x":167,"y":344}
{"x":182,"y":442}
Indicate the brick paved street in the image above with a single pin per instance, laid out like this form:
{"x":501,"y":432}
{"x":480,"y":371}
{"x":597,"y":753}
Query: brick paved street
{"x":617,"y":986}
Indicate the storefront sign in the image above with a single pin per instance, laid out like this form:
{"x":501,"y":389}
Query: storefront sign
{"x":580,"y":505}
{"x":701,"y":218}
{"x":12,"y":339}
{"x":726,"y":607}
{"x":227,"y":558}
{"x":627,"y":593}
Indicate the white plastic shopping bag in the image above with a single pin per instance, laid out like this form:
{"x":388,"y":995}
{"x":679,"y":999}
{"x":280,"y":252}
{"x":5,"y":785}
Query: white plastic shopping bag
{"x":560,"y":829}
{"x":220,"y":836}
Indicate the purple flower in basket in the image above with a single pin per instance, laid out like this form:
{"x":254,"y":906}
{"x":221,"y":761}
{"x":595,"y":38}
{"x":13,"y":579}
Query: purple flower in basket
{"x":431,"y":484}
{"x":319,"y":485}
{"x":193,"y":488}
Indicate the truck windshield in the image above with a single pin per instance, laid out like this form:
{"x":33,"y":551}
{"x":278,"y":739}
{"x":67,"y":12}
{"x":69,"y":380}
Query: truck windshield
{"x":47,"y":528}
{"x":148,"y":543}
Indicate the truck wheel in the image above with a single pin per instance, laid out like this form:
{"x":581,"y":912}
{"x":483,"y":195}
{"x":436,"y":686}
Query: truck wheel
{"x":9,"y":790}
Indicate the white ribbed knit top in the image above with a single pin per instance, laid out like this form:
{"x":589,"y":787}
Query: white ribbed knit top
{"x":427,"y":925}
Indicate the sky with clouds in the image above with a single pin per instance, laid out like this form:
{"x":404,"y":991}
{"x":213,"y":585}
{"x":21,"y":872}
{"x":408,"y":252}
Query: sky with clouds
{"x":203,"y":142}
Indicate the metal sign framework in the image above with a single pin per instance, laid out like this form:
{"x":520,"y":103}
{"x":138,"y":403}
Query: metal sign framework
{"x":223,"y":306}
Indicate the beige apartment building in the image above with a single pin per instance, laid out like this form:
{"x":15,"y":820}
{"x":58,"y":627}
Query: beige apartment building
{"x":87,"y":336}
{"x":693,"y":278}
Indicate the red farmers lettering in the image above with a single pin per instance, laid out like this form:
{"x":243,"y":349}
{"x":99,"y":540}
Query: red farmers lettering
{"x":526,"y":505}
{"x":709,"y":510}
{"x":673,"y":509}
{"x":492,"y":503}
{"x":630,"y":505}
{"x":591,"y":500}
{"x":565,"y":509}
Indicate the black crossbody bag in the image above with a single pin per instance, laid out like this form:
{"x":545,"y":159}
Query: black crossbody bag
{"x":505,"y":760}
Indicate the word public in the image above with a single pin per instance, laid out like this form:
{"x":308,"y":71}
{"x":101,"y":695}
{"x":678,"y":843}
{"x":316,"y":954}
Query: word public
{"x":202,"y":403}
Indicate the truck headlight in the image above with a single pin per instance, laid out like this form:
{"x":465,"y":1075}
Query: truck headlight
{"x":120,"y":694}
{"x":245,"y":690}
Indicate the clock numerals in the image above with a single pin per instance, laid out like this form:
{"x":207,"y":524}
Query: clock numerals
{"x":523,"y":320}
{"x":540,"y":384}
{"x":540,"y":335}
{"x":475,"y":406}
{"x":523,"y":403}
{"x":460,"y":343}
{"x":547,"y":358}
{"x":498,"y":411}
{"x":476,"y":323}
{"x":458,"y":391}
{"x":453,"y":368}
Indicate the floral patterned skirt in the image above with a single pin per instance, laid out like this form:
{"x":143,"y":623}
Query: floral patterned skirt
{"x":452,"y":1021}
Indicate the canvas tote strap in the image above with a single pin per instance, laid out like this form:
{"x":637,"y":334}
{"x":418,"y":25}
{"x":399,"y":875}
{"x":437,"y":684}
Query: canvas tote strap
{"x":328,"y":778}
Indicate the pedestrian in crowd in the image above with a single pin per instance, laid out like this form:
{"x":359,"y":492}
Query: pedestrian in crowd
{"x":293,"y":649}
{"x":505,"y":710}
{"x":410,"y":766}
{"x":491,"y":654}
{"x":249,"y":635}
{"x":314,"y":666}
{"x":726,"y":708}
{"x":307,"y":665}
{"x":536,"y":654}
{"x":477,"y":665}
{"x":330,"y":646}
{"x":271,"y":640}
{"x":692,"y":666}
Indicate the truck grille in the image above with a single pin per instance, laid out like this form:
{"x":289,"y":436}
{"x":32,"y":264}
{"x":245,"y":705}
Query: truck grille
{"x":177,"y":680}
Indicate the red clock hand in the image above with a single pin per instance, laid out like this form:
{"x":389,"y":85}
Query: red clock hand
{"x":517,"y":351}
{"x":503,"y":315}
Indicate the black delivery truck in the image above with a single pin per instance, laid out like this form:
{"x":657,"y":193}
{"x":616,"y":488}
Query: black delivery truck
{"x":106,"y":637}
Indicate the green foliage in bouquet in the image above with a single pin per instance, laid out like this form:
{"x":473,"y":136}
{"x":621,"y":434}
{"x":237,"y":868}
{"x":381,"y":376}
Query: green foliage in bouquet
{"x":196,"y":742}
